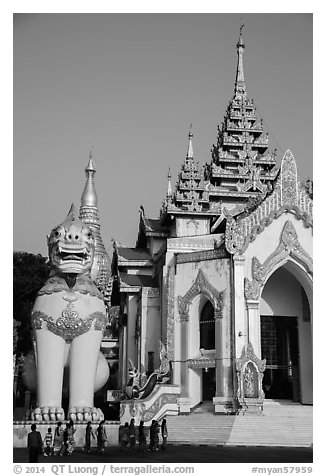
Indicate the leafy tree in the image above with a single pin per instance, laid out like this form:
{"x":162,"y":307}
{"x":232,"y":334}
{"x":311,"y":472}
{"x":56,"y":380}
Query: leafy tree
{"x":30,"y":273}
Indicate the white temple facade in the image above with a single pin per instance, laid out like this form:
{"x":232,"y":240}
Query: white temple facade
{"x":221,"y":283}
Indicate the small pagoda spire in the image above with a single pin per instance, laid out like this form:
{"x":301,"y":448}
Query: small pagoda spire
{"x":169,"y":191}
{"x":190,"y":153}
{"x":240,"y":86}
{"x":89,"y":197}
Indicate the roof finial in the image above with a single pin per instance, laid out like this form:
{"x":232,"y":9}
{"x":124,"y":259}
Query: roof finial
{"x":190,"y":153}
{"x":169,"y":191}
{"x":89,"y":197}
{"x":240,"y":86}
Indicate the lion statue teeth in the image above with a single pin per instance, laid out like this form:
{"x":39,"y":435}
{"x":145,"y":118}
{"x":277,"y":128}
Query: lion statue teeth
{"x":68,"y":320}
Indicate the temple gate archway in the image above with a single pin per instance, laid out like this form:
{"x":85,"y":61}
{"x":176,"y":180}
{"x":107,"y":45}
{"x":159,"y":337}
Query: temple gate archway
{"x":286,"y":334}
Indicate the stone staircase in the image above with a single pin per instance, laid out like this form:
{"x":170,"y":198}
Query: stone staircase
{"x":282,"y":423}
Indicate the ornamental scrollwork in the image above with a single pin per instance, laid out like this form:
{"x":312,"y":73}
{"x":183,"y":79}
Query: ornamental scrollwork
{"x":289,"y":246}
{"x":289,"y":179}
{"x":68,"y":325}
{"x":201,"y":286}
{"x":289,"y":195}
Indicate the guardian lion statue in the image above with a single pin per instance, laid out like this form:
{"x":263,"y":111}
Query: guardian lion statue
{"x":68,"y":320}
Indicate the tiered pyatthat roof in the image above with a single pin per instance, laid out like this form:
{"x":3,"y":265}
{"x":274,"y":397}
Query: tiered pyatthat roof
{"x":242,"y":167}
{"x":191,"y":195}
{"x":88,"y":213}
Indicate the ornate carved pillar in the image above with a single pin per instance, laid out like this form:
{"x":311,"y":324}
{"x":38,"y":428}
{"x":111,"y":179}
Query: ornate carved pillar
{"x":240,"y":324}
{"x":219,"y":389}
{"x":184,"y":355}
{"x":254,"y":326}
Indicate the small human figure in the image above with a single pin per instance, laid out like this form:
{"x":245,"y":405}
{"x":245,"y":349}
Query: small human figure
{"x":125,"y":437}
{"x":48,"y":446}
{"x":101,"y":437}
{"x":164,"y":432}
{"x":58,"y":438}
{"x":132,"y":434}
{"x":153,"y":436}
{"x":64,"y":446}
{"x":142,"y":437}
{"x":34,"y":444}
{"x":71,"y":430}
{"x":156,"y":436}
{"x":88,"y":434}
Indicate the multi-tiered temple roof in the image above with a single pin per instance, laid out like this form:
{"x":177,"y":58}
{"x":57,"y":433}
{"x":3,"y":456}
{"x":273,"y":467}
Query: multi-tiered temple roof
{"x":242,"y":168}
{"x":191,"y":195}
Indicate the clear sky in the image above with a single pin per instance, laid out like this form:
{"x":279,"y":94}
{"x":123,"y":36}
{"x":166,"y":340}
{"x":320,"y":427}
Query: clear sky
{"x":130,"y":85}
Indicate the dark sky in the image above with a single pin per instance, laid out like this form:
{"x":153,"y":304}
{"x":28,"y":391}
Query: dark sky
{"x":130,"y":85}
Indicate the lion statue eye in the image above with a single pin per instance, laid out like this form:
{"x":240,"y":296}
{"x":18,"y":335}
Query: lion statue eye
{"x":57,"y":232}
{"x":89,"y":234}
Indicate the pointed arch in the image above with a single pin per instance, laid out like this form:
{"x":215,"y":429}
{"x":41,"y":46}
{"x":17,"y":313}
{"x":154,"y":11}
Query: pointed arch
{"x":201,"y":286}
{"x":289,"y":248}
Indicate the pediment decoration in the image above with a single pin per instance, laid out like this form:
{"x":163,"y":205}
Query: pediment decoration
{"x":289,"y":196}
{"x":201,"y":286}
{"x":289,"y":246}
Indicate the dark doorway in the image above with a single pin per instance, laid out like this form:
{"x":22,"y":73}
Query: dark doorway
{"x":209,"y":384}
{"x":279,"y":346}
{"x":207,"y":327}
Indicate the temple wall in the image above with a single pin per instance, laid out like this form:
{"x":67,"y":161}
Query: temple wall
{"x":132,"y":304}
{"x":151,"y":326}
{"x":191,"y":226}
{"x":217,"y":275}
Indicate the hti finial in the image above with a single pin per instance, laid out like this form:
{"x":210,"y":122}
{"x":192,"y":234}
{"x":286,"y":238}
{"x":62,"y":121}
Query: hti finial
{"x":169,"y":190}
{"x":190,"y":152}
{"x":240,"y":42}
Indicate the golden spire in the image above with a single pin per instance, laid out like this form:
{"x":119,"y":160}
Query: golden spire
{"x":89,"y":197}
{"x":240,"y":86}
{"x":88,"y":213}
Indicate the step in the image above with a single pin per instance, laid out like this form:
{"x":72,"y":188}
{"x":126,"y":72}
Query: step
{"x":278,"y":425}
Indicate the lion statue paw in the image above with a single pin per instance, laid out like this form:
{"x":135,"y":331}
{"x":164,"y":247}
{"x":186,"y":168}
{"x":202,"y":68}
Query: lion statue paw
{"x":48,"y":414}
{"x":85,"y":414}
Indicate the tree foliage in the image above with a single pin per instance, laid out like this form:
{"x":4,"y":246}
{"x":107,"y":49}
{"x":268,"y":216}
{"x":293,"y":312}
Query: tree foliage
{"x":30,"y":273}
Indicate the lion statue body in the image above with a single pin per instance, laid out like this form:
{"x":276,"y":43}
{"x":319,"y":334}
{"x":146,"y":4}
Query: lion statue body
{"x":68,"y":319}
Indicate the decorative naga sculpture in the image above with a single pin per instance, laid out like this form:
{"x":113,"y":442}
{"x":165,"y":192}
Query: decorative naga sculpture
{"x":160,"y":375}
{"x":68,"y":320}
